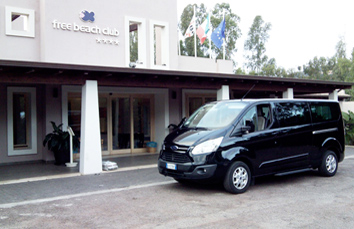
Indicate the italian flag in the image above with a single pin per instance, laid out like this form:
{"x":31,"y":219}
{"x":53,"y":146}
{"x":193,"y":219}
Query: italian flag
{"x":203,"y":30}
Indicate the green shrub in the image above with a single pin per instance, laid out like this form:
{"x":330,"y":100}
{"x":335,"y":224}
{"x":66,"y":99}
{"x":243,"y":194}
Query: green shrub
{"x":348,"y":119}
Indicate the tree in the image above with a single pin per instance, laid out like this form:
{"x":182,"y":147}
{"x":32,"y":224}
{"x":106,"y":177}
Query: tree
{"x":133,"y":46}
{"x":271,"y":69}
{"x":341,"y":49}
{"x":232,"y":31}
{"x":320,"y":68}
{"x":255,"y":44}
{"x":342,"y":67}
{"x":187,"y":47}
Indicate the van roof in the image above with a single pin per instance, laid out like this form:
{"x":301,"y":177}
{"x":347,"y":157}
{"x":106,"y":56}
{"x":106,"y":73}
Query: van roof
{"x":276,"y":100}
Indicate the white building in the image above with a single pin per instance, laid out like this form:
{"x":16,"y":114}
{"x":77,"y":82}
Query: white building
{"x":71,"y":62}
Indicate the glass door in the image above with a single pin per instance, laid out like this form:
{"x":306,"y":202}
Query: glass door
{"x":74,"y":117}
{"x":194,"y":101}
{"x":121,"y":120}
{"x":131,"y":123}
{"x":142,"y":122}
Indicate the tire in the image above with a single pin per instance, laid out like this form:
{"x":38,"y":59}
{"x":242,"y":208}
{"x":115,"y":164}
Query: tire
{"x":329,"y":164}
{"x":238,"y":178}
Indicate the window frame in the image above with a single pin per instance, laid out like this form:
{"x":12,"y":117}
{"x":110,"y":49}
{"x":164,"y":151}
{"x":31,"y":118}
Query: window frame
{"x":32,"y":149}
{"x":142,"y":56}
{"x":307,"y":116}
{"x":333,"y":113}
{"x":29,"y":28}
{"x":165,"y":53}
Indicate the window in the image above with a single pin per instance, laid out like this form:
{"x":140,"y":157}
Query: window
{"x":250,"y":119}
{"x":142,"y":121}
{"x":258,"y":118}
{"x":291,"y":114}
{"x":74,"y":116}
{"x":159,"y":44}
{"x":19,"y":22}
{"x":121,"y":124}
{"x":131,"y":122}
{"x":214,"y":115}
{"x":324,"y":112}
{"x":22,"y":121}
{"x":136,"y":42}
{"x":133,"y":42}
{"x":196,"y":101}
{"x":126,"y":121}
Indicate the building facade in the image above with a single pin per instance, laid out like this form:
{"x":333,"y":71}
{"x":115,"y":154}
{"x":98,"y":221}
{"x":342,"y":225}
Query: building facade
{"x":111,"y":71}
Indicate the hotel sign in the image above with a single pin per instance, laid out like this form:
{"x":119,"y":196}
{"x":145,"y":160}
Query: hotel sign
{"x":110,"y":34}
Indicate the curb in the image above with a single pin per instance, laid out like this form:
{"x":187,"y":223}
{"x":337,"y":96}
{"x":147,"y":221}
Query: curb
{"x":33,"y":179}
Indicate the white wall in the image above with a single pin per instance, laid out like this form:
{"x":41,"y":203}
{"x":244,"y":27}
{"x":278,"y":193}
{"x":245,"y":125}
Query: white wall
{"x":345,"y":106}
{"x":16,"y":47}
{"x":189,"y":63}
{"x":55,"y":42}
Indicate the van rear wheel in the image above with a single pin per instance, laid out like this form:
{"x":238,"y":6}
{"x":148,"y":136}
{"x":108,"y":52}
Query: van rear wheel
{"x":329,"y":164}
{"x":238,"y":178}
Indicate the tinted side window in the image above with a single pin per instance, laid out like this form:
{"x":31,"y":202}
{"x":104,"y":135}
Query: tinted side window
{"x":293,"y":113}
{"x":258,"y":118}
{"x":324,"y":112}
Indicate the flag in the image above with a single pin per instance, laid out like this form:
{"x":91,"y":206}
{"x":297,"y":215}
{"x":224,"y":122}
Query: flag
{"x":203,"y":30}
{"x":218,"y":34}
{"x":180,"y":35}
{"x":190,"y":29}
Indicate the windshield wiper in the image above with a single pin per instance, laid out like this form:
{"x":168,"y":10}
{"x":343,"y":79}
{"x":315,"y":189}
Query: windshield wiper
{"x":199,"y":128}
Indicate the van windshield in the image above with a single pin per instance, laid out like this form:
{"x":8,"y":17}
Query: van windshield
{"x":214,"y":115}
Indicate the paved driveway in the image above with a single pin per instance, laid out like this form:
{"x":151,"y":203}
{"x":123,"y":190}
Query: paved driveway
{"x":145,"y":199}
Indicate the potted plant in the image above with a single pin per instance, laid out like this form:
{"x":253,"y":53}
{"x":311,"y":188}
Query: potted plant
{"x":59,"y":143}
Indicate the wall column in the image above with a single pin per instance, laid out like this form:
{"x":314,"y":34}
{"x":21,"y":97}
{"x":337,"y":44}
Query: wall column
{"x":223,"y":93}
{"x":288,"y":94}
{"x":90,"y":146}
{"x":333,"y":95}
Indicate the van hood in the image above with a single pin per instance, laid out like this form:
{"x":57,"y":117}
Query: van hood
{"x":189,"y":137}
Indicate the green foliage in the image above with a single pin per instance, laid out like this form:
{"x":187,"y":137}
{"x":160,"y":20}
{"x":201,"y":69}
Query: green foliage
{"x":59,"y":140}
{"x":240,"y":71}
{"x":341,"y":49}
{"x":337,"y":68}
{"x":255,"y":44}
{"x":133,"y":45}
{"x":348,"y":119}
{"x":232,"y":31}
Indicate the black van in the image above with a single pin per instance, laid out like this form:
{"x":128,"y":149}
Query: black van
{"x":237,"y":140}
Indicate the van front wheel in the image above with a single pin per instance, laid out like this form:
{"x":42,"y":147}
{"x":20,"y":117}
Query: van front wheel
{"x":329,"y":164}
{"x":238,"y":178}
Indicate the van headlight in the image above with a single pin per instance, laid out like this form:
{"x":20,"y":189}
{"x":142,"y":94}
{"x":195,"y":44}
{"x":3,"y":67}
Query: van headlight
{"x":207,"y":147}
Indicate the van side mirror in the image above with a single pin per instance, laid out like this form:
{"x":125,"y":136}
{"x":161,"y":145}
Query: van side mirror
{"x":241,"y":131}
{"x":174,"y":126}
{"x":245,"y":129}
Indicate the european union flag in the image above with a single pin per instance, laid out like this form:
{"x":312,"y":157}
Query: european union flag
{"x":218,"y":34}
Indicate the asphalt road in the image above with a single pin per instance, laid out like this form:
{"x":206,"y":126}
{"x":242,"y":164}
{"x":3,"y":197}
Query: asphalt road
{"x":145,"y":199}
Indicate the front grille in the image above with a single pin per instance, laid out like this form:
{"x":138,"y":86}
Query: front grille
{"x":175,"y":157}
{"x":182,"y":149}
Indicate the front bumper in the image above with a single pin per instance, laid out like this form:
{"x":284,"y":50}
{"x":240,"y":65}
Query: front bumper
{"x":187,"y":170}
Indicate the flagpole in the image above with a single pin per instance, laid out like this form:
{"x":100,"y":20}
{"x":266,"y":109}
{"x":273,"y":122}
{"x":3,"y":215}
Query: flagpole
{"x":209,"y":37}
{"x":179,"y":41}
{"x":223,"y":44}
{"x":195,"y":34}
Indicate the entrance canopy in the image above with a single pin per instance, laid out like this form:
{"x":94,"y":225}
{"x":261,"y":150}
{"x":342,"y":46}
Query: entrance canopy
{"x":13,"y":72}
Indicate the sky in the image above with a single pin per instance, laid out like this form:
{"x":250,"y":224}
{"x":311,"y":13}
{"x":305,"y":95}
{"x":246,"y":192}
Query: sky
{"x":300,"y":30}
